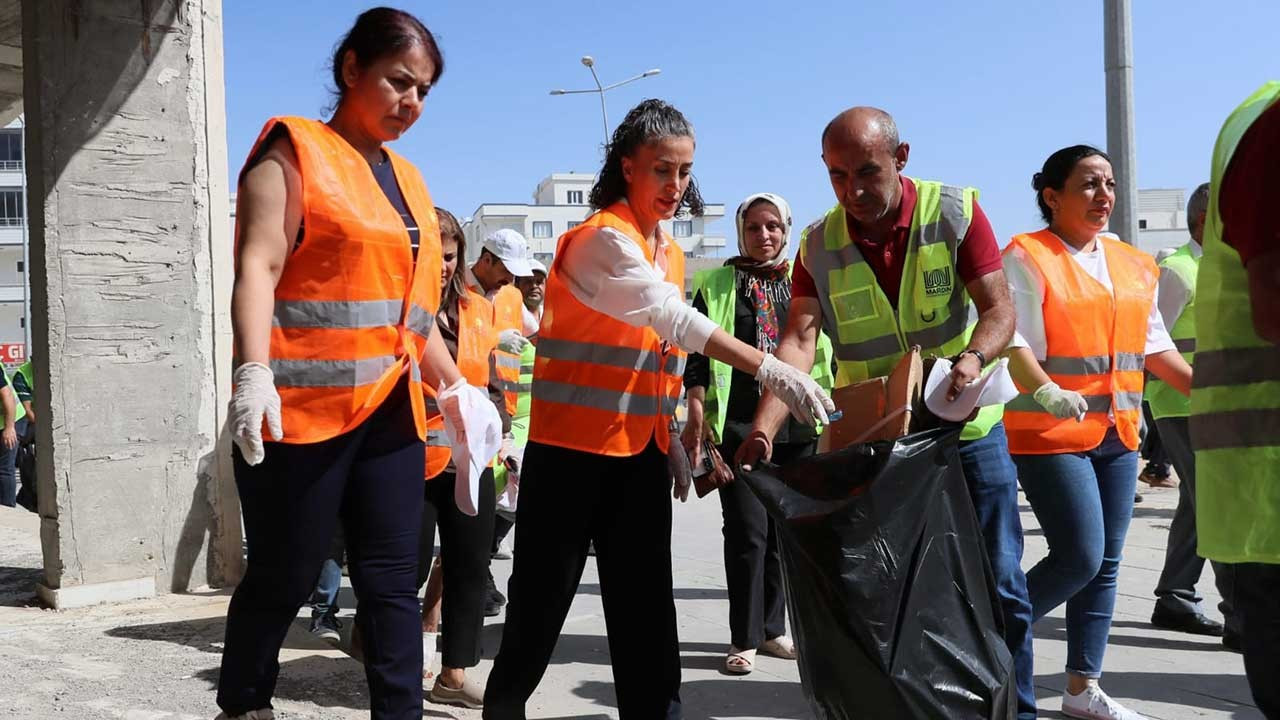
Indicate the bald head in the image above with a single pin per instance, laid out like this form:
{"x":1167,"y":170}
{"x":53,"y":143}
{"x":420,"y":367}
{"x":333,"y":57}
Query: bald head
{"x":864,"y":126}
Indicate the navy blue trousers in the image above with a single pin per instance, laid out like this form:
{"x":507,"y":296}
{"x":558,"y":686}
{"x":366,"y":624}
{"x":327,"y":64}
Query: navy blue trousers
{"x":371,"y":478}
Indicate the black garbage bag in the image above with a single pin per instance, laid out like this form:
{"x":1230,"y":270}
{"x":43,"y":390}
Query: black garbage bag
{"x":891,"y":596}
{"x":26,"y":466}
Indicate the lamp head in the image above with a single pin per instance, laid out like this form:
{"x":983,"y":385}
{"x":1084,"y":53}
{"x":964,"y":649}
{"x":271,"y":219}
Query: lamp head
{"x":588,"y":60}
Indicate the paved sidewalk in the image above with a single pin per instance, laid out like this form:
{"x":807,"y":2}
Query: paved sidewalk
{"x":157,"y":660}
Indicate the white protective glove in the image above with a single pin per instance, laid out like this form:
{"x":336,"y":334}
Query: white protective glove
{"x":510,"y":340}
{"x":808,"y":402}
{"x":474,"y":430}
{"x":1060,"y":403}
{"x":254,"y":399}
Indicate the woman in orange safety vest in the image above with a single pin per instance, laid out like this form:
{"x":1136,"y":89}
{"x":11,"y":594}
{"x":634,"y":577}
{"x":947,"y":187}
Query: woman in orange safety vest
{"x":606,"y":382}
{"x":1087,"y":327}
{"x":333,"y":311}
{"x":460,"y":587}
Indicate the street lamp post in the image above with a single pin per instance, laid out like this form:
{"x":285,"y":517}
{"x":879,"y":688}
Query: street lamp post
{"x":602,"y":89}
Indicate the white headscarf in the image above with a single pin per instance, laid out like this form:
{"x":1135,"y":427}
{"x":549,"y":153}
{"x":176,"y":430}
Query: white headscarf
{"x":784,"y":210}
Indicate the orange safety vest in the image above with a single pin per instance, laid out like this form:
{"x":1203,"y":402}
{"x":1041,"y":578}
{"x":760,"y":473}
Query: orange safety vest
{"x":1096,"y":346}
{"x":600,"y":385}
{"x":508,"y":307}
{"x":476,"y":340}
{"x":352,"y":308}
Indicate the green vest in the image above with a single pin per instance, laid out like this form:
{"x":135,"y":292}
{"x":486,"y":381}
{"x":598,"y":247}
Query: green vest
{"x":717,"y":287}
{"x":1235,"y":396}
{"x":21,"y":411}
{"x":519,"y":421}
{"x":1164,"y":400}
{"x":25,"y":371}
{"x":934,"y":309}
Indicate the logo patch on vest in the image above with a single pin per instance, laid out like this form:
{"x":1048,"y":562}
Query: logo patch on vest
{"x":937,"y":282}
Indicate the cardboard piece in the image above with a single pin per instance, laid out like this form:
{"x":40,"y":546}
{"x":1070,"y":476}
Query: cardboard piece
{"x":877,"y":409}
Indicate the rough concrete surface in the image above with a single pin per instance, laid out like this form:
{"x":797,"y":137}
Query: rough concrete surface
{"x":126,"y":167}
{"x":158,"y":659}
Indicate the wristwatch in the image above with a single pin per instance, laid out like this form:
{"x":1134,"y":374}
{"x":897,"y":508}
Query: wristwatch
{"x":982,"y":359}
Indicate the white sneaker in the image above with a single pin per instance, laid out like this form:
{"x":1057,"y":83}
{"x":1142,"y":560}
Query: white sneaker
{"x":263,"y":714}
{"x":1094,"y":704}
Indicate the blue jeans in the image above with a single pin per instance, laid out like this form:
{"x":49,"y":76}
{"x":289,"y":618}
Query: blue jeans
{"x":993,"y":487}
{"x":1084,"y":502}
{"x":8,"y":476}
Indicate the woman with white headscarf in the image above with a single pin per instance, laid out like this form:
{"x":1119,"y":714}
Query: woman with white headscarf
{"x":749,"y":297}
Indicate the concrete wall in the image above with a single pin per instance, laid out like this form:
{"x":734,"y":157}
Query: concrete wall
{"x":126,"y":158}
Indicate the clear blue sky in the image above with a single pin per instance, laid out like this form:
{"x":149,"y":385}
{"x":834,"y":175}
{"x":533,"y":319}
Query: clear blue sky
{"x":982,"y":91}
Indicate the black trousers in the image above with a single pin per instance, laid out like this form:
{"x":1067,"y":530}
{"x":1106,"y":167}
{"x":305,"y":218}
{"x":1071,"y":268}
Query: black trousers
{"x":372,"y":478}
{"x":567,"y":499}
{"x":464,"y":553}
{"x":1257,"y":587}
{"x":752,"y":566}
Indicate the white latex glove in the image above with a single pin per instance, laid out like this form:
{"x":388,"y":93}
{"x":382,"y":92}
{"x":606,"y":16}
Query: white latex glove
{"x":255,"y":397}
{"x":808,"y":402}
{"x":475,"y":434}
{"x":1060,"y":403}
{"x":510,"y":340}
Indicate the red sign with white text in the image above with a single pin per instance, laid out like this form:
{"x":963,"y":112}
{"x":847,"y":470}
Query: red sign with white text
{"x":13,"y":353}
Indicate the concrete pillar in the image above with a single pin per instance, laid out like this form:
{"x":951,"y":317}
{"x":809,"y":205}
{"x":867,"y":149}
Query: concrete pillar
{"x":1118,"y":62}
{"x":130,"y":280}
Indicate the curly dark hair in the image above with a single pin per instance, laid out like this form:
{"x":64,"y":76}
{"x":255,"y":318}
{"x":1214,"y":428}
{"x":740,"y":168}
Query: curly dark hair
{"x":647,"y":122}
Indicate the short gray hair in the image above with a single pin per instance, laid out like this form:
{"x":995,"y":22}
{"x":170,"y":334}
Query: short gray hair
{"x":1197,"y":204}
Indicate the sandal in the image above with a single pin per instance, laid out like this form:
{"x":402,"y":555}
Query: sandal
{"x":428,"y":657}
{"x":739,"y":662}
{"x":780,"y":647}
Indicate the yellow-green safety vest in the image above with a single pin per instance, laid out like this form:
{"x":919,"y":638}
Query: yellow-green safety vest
{"x":1164,"y":400}
{"x":718,"y":289}
{"x":519,"y":421}
{"x":934,"y":310}
{"x":1235,"y":389}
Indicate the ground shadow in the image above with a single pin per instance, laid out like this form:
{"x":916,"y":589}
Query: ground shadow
{"x":725,"y":698}
{"x":204,"y":634}
{"x":320,"y":679}
{"x":1152,"y":512}
{"x":1055,"y":628}
{"x":18,"y":586}
{"x":693,"y":593}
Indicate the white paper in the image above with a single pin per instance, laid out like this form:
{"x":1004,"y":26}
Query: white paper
{"x":994,"y":387}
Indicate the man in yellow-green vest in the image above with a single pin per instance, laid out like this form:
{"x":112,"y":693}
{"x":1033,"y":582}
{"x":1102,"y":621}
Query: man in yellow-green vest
{"x":13,"y":412}
{"x":901,"y":262}
{"x":1235,"y":390}
{"x":1178,"y":605}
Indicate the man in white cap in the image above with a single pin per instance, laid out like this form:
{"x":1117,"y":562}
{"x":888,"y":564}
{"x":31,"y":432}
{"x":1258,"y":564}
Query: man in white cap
{"x":504,"y":257}
{"x":532,"y":288}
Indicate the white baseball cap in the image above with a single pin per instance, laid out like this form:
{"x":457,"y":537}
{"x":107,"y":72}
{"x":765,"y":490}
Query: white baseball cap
{"x":537,"y":267}
{"x":511,"y":248}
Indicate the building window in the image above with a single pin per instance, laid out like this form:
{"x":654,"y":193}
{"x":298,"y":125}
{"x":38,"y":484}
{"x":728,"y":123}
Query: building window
{"x":542,"y":228}
{"x":682,"y":228}
{"x":1142,"y":224}
{"x":21,"y":267}
{"x":11,"y":207}
{"x":575,"y":197}
{"x":11,"y":150}
{"x":573,"y":224}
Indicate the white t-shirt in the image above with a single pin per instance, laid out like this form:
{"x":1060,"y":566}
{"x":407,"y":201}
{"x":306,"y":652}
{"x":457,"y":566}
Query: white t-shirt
{"x":1026,"y":285}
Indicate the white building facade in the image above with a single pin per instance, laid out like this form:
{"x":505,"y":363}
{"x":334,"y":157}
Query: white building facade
{"x":1162,"y":219}
{"x":13,"y":241}
{"x":560,"y":204}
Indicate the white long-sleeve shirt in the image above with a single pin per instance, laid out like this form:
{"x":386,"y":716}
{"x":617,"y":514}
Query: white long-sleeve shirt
{"x":606,"y":271}
{"x":1026,"y":285}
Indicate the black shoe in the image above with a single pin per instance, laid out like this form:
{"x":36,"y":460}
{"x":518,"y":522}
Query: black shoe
{"x":495,"y":600}
{"x":1137,"y":498}
{"x":1232,"y":641}
{"x":327,"y":627}
{"x":1193,"y":623}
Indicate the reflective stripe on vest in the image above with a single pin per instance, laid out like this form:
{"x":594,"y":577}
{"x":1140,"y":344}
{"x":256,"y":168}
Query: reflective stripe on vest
{"x":1164,"y":400}
{"x":718,"y":288}
{"x":340,"y":340}
{"x":1096,"y":340}
{"x":600,"y":385}
{"x":476,"y":341}
{"x":934,"y":311}
{"x":1235,"y":396}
